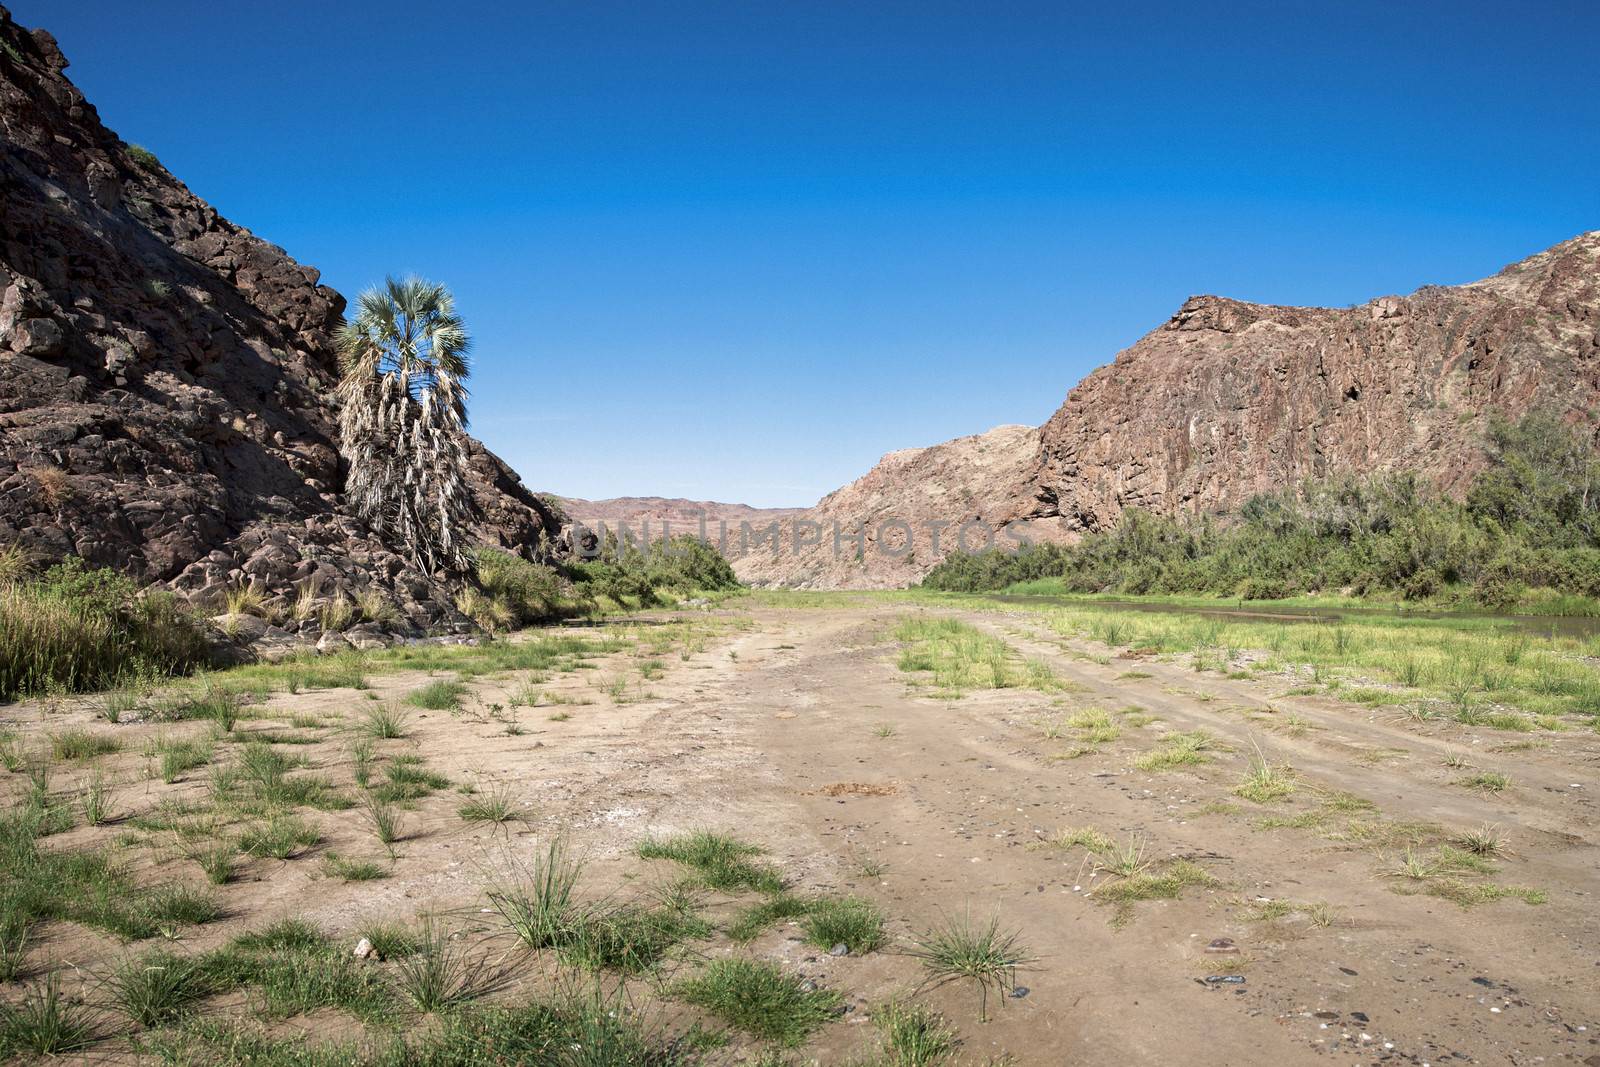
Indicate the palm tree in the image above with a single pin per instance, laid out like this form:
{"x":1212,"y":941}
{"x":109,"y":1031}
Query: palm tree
{"x":403,"y":418}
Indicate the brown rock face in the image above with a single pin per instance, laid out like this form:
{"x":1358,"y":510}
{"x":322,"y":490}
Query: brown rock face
{"x":928,"y":493}
{"x":1229,"y":399}
{"x":166,"y":377}
{"x":674,"y":514}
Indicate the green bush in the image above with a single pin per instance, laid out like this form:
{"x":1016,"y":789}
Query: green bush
{"x":530,"y":591}
{"x":1530,"y":522}
{"x":81,"y":628}
{"x":649,"y":574}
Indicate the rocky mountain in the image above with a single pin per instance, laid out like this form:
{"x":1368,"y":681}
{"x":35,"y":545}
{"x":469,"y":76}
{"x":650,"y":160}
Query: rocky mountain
{"x":166,"y":376}
{"x":683,"y":516}
{"x":1228,"y":399}
{"x":890,"y":526}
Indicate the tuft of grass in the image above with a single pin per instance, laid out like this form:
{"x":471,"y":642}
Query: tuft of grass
{"x":912,"y":1036}
{"x":384,"y":722}
{"x":45,"y":1022}
{"x":1470,"y":894}
{"x":959,"y":950}
{"x":353,"y":870}
{"x":295,"y":970}
{"x":361,"y":757}
{"x":758,"y":998}
{"x":1086,"y":836}
{"x":1124,"y":861}
{"x":280,"y":837}
{"x":1166,"y":884}
{"x":96,"y":801}
{"x":119,"y":703}
{"x":536,"y":900}
{"x":719,"y":861}
{"x":757,"y":917}
{"x":850,"y":921}
{"x":627,"y":938}
{"x":439,"y":975}
{"x":388,"y":821}
{"x":407,"y":779}
{"x":1178,"y":750}
{"x":80,"y":744}
{"x":442,"y":695}
{"x":1264,"y":783}
{"x":179,"y":754}
{"x":158,"y":987}
{"x":392,"y":941}
{"x":1484,"y":841}
{"x":495,"y":806}
{"x":1486,"y":781}
{"x":216,"y":860}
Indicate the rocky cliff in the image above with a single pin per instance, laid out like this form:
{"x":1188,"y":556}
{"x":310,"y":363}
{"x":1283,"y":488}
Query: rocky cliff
{"x":1228,"y":399}
{"x":166,"y":377}
{"x":890,"y":526}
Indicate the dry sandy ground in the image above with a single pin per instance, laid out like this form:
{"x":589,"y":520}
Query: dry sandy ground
{"x":794,"y":729}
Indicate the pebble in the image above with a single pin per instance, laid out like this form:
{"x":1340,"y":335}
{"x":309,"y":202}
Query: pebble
{"x":841,"y":949}
{"x":1020,"y":991}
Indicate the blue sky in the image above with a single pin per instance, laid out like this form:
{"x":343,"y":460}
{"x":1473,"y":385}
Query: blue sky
{"x":739,"y":250}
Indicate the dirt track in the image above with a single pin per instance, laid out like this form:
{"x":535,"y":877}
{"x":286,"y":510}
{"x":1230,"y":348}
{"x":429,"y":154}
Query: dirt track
{"x":800,"y":734}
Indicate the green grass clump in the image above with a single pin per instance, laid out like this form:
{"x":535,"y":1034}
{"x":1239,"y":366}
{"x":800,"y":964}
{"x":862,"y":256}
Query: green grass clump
{"x":385,"y":722}
{"x":1165,"y":883}
{"x":442,"y":695}
{"x":158,"y":987}
{"x":959,"y":950}
{"x":1265,"y":783}
{"x":590,"y":1031}
{"x":627,"y":938}
{"x":407,"y":779}
{"x":80,"y":744}
{"x":849,"y":921}
{"x":962,"y":657}
{"x":495,"y":806}
{"x":353,"y":870}
{"x":280,"y":837}
{"x":84,"y":887}
{"x":1178,"y":750}
{"x":536,"y":900}
{"x":761,"y":1000}
{"x":1486,"y":781}
{"x":912,"y":1036}
{"x":78,"y":629}
{"x":750,"y":922}
{"x":179,"y":754}
{"x":719,"y":861}
{"x":392,"y":941}
{"x":440,"y":975}
{"x":44,"y":1022}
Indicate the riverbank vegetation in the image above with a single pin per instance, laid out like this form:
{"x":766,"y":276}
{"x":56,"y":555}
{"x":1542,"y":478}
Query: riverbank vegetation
{"x":1526,"y":536}
{"x":73,"y":627}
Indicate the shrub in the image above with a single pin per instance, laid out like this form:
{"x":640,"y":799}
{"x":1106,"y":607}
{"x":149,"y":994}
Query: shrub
{"x":79,"y":628}
{"x":1531,"y":521}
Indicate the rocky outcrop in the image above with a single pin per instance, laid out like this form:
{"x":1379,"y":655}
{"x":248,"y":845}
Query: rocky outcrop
{"x":890,"y":526}
{"x":166,"y":376}
{"x":1228,"y":399}
{"x":673,"y":514}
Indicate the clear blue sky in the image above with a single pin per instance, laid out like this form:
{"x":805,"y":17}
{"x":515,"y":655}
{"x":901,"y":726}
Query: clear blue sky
{"x":739,"y":250}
